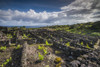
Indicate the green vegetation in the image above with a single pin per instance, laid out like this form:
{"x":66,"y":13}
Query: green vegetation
{"x":59,"y":64}
{"x":61,"y":39}
{"x":87,"y":46}
{"x":14,"y":33}
{"x":3,"y":48}
{"x":23,"y":28}
{"x":9,"y":36}
{"x":24,"y":36}
{"x":45,"y":51}
{"x":57,"y":52}
{"x":41,"y":57}
{"x":47,"y":66}
{"x":68,"y":44}
{"x":18,"y":46}
{"x":91,"y":28}
{"x":40,"y":47}
{"x":57,"y":59}
{"x":95,"y":34}
{"x":82,"y":43}
{"x":48,"y":43}
{"x":6,"y":62}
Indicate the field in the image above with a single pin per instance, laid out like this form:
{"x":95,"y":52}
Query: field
{"x":54,"y":46}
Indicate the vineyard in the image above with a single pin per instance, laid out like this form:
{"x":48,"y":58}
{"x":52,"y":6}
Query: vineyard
{"x":46,"y":47}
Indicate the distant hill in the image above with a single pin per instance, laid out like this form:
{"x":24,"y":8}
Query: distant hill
{"x":90,"y":28}
{"x":95,"y":26}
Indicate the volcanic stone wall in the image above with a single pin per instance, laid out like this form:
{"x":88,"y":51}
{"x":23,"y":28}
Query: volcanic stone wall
{"x":24,"y":55}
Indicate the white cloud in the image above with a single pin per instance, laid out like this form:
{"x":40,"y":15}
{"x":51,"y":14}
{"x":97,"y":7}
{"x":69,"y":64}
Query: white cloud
{"x":29,"y":17}
{"x":83,"y":10}
{"x":76,"y":12}
{"x":78,"y":5}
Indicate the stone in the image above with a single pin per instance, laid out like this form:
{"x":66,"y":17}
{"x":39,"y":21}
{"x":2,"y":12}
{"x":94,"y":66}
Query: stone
{"x":83,"y":65}
{"x":75,"y":63}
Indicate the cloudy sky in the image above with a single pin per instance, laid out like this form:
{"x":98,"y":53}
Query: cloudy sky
{"x":48,"y":12}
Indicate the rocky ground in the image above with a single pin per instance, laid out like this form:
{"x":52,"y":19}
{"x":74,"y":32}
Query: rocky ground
{"x":48,"y":48}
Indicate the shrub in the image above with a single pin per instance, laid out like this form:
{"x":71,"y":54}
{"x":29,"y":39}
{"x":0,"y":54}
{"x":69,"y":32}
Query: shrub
{"x":40,"y":47}
{"x":3,"y":48}
{"x":41,"y":57}
{"x":68,"y":44}
{"x":18,"y":46}
{"x":9,"y":36}
{"x":47,"y":66}
{"x":61,"y":39}
{"x":57,"y":52}
{"x":59,"y":64}
{"x":87,"y":46}
{"x":24,"y":36}
{"x":43,"y":48}
{"x":7,"y":61}
{"x":95,"y":34}
{"x":45,"y":51}
{"x":91,"y":42}
{"x":81,"y":43}
{"x":79,"y":32}
{"x":57,"y":59}
{"x":2,"y":65}
{"x":47,"y":43}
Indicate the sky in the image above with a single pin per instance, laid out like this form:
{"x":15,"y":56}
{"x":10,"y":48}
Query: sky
{"x":48,"y":12}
